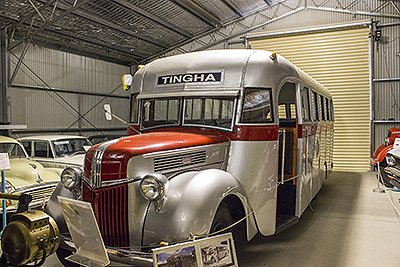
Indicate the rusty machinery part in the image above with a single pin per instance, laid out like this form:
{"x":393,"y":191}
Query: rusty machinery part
{"x":31,"y":236}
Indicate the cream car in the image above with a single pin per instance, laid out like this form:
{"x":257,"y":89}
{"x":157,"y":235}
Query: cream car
{"x":59,"y":151}
{"x":27,"y":176}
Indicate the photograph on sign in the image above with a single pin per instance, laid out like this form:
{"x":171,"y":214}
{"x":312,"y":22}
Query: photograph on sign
{"x":213,"y":251}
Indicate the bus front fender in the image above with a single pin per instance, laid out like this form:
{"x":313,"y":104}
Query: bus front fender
{"x":191,"y":203}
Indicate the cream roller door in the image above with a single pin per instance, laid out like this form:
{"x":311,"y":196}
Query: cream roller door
{"x":340,"y":61}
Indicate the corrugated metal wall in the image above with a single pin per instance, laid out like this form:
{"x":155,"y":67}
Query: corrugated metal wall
{"x":340,"y":61}
{"x":386,"y":82}
{"x":82,"y":81}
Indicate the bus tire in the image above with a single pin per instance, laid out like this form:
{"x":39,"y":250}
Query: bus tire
{"x":222,"y":219}
{"x":229,"y":212}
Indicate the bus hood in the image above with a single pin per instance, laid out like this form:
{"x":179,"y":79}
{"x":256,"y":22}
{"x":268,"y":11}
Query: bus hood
{"x":115,"y":154}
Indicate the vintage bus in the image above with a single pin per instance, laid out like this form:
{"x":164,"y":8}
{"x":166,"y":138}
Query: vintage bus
{"x":214,"y":137}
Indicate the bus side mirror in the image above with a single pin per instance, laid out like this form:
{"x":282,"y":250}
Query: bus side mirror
{"x":107,"y":111}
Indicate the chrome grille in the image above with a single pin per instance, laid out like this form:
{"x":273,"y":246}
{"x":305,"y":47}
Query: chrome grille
{"x":95,"y":173}
{"x":162,"y":164}
{"x":110,"y":206}
{"x":39,"y":192}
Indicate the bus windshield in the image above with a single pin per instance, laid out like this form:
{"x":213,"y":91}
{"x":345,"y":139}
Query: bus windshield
{"x":214,"y":112}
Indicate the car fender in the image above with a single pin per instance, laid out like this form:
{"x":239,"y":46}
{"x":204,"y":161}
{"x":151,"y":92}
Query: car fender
{"x":191,"y":203}
{"x":382,"y":155}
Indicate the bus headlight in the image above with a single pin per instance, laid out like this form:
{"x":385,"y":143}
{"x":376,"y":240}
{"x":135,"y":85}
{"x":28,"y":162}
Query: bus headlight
{"x":71,"y":177}
{"x":153,"y":186}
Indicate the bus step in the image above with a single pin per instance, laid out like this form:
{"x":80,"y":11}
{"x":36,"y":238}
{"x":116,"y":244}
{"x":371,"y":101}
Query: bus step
{"x":284,"y":221}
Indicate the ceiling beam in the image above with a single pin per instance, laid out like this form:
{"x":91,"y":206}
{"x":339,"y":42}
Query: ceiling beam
{"x":199,"y":12}
{"x":108,"y":24}
{"x":232,"y":6}
{"x":49,"y":23}
{"x":147,"y":15}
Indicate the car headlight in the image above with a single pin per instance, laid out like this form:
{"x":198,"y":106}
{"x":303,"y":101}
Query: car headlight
{"x":8,"y":186}
{"x":153,"y":186}
{"x":390,"y":160}
{"x":71,"y":177}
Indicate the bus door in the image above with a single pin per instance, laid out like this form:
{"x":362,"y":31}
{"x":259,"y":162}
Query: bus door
{"x":305,"y":179}
{"x":287,"y":164}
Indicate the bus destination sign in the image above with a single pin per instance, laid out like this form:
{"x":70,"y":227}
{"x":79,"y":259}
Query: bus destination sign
{"x":201,"y":77}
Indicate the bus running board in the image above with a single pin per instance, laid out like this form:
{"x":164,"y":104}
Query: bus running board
{"x":284,"y":221}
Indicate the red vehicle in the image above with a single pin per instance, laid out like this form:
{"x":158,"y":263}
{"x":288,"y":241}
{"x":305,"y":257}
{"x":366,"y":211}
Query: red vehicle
{"x":379,"y":155}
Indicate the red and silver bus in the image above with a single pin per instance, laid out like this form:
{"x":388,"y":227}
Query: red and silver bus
{"x":214,"y":137}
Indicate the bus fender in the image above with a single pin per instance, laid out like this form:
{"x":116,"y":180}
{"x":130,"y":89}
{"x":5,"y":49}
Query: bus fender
{"x":191,"y":203}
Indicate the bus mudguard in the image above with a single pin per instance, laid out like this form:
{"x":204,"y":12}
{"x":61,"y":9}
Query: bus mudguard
{"x":192,"y":202}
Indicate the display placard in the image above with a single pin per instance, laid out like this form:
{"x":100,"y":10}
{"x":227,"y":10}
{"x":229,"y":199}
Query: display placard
{"x":212,"y":251}
{"x":4,"y":162}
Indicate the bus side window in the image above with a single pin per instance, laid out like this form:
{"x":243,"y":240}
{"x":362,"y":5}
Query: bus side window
{"x":316,"y":109}
{"x":305,"y":106}
{"x":328,"y":108}
{"x":257,"y":106}
{"x":134,"y":108}
{"x":322,"y":108}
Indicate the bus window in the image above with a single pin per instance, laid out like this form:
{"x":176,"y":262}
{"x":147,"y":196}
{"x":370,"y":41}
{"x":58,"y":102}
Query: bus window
{"x":331,"y":110}
{"x":322,"y":108}
{"x":305,"y":107}
{"x":292,"y":111}
{"x":317,"y":107}
{"x":282,"y":111}
{"x":134,"y":108}
{"x":314,"y":114}
{"x":160,"y":112}
{"x":257,"y":105}
{"x":328,"y":107}
{"x":215,"y":112}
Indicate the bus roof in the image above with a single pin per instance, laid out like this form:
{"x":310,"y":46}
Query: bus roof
{"x":216,"y":70}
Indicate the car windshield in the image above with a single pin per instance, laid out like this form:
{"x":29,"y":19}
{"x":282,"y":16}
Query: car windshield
{"x":13,"y":150}
{"x":70,"y":147}
{"x":210,"y":112}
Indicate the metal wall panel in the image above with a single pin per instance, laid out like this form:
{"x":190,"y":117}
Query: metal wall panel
{"x":32,"y":104}
{"x":386,"y":85}
{"x":340,"y":61}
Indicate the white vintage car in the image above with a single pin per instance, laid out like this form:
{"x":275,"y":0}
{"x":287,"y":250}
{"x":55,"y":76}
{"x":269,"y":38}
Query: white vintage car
{"x":59,"y":151}
{"x":27,"y":176}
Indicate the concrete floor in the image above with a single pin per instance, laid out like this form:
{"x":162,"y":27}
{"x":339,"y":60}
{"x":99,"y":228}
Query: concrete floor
{"x":351,"y":226}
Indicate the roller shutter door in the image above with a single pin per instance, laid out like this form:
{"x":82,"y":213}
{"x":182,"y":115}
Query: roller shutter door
{"x":340,"y":61}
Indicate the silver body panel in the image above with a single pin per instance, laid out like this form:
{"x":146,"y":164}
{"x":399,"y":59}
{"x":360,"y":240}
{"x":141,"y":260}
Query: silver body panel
{"x":254,"y":164}
{"x":193,"y":199}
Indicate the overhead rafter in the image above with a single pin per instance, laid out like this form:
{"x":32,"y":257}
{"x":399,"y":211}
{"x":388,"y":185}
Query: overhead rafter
{"x":51,"y":22}
{"x":109,"y":24}
{"x":233,"y":7}
{"x":153,"y":18}
{"x":240,"y":27}
{"x":199,"y":12}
